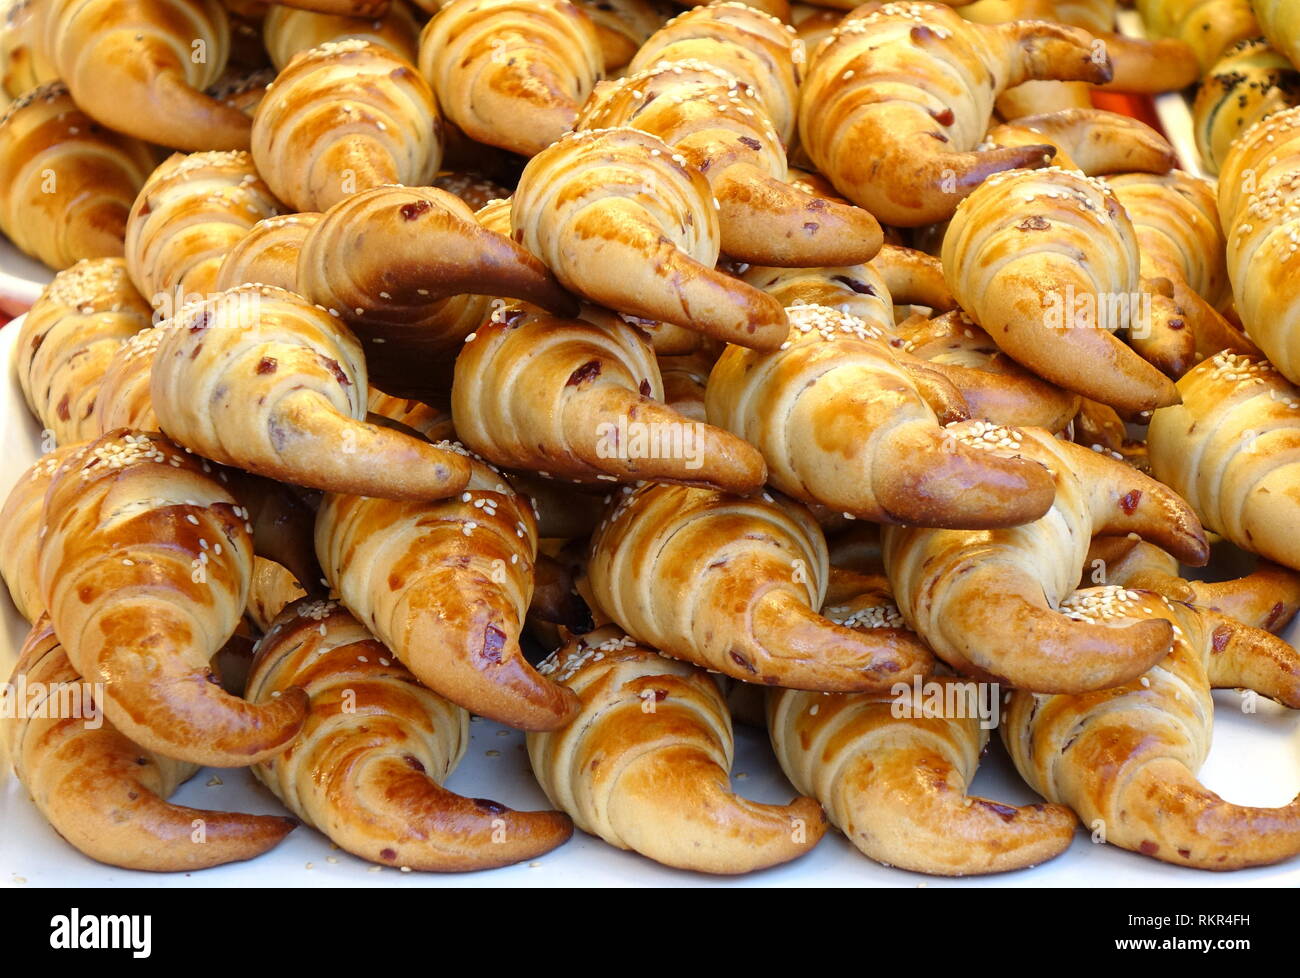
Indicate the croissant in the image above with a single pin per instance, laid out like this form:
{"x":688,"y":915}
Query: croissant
{"x":720,"y":127}
{"x":399,"y":266}
{"x":24,"y":62}
{"x":590,"y":409}
{"x":67,"y":340}
{"x":1091,"y":140}
{"x":625,"y":222}
{"x":924,"y":132}
{"x":1181,"y":254}
{"x":144,"y":566}
{"x":1047,"y":262}
{"x":1260,"y":210}
{"x":1209,"y":27}
{"x":645,"y":764}
{"x":272,"y":589}
{"x":434,"y":423}
{"x":190,"y":212}
{"x":286,"y":31}
{"x":684,"y":378}
{"x":511,"y":73}
{"x":1280,"y":22}
{"x":445,"y":585}
{"x":20,"y":522}
{"x":1251,"y":80}
{"x":894,"y":779}
{"x":1228,"y":448}
{"x":732,"y":584}
{"x":622,"y":26}
{"x":140,"y":67}
{"x":267,"y":254}
{"x":261,"y":379}
{"x":368,"y":767}
{"x":747,"y":44}
{"x":107,"y":795}
{"x":1126,"y":759}
{"x":985,"y":602}
{"x":124,"y":399}
{"x":844,"y":423}
{"x":66,"y":184}
{"x":343,"y":117}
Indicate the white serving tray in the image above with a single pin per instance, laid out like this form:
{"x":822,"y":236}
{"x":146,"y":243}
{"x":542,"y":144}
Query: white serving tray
{"x":1255,"y":760}
{"x":21,"y":279}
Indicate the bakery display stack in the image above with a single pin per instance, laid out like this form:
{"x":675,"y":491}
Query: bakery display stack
{"x":621,"y":373}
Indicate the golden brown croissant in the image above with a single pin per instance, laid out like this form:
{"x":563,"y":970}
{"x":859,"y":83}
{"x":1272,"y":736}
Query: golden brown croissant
{"x":191,"y":211}
{"x":1181,"y":260}
{"x":1250,"y":81}
{"x":1259,"y":206}
{"x":622,"y":26}
{"x":1047,"y":262}
{"x":1229,"y":447}
{"x":344,"y":117}
{"x":66,"y":183}
{"x":685,"y":377}
{"x":69,"y":337}
{"x":268,"y":254}
{"x":433,"y":422}
{"x":733,"y":584}
{"x":288,"y":31}
{"x":511,"y":73}
{"x":446,"y":585}
{"x":1209,"y":27}
{"x":20,"y":522}
{"x":646,"y":763}
{"x":721,"y":128}
{"x":584,"y":402}
{"x":107,"y":795}
{"x":985,"y":602}
{"x":258,"y":378}
{"x":1280,"y":22}
{"x":924,"y":129}
{"x":140,"y":68}
{"x":745,"y":42}
{"x":271,"y":590}
{"x":894,"y":779}
{"x":144,"y":567}
{"x":846,"y":423}
{"x":413,"y":272}
{"x":1125,"y":759}
{"x":625,"y":222}
{"x":368,"y":767}
{"x":1091,"y":140}
{"x":24,"y":62}
{"x":124,"y":399}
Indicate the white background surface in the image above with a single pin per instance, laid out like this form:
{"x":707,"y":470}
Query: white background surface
{"x":1255,"y":760}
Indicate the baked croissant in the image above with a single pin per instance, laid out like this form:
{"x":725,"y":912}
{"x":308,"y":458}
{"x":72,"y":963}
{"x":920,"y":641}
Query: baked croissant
{"x":1125,"y":759}
{"x":20,"y":522}
{"x":684,"y":378}
{"x":411,"y":270}
{"x":720,"y":127}
{"x":985,"y":601}
{"x":1280,"y":22}
{"x":894,"y":779}
{"x":144,"y":567}
{"x":746,"y":43}
{"x":646,"y":763}
{"x":916,"y":83}
{"x":624,"y":221}
{"x":67,"y":340}
{"x":584,"y":402}
{"x":107,"y":795}
{"x":622,"y":26}
{"x":258,"y":378}
{"x":1209,"y":27}
{"x":272,"y":589}
{"x":1259,"y":206}
{"x":845,"y":423}
{"x":511,"y":73}
{"x":66,"y":183}
{"x":1228,"y":449}
{"x":1181,"y":256}
{"x":287,"y":31}
{"x":140,"y":68}
{"x":433,"y":422}
{"x":124,"y":399}
{"x":343,"y":117}
{"x":24,"y":62}
{"x":267,"y":254}
{"x":1251,"y":80}
{"x":1047,"y":263}
{"x":445,"y":585}
{"x":368,"y":767}
{"x":732,"y":584}
{"x":191,"y":211}
{"x":1091,"y":140}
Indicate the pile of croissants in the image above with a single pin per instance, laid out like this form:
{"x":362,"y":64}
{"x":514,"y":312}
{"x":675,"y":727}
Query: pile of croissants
{"x":614,"y":372}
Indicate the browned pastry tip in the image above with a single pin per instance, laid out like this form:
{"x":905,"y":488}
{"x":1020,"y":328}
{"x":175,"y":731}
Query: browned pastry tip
{"x":1149,"y":67}
{"x":662,"y":735}
{"x":369,"y":765}
{"x":1092,"y":140}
